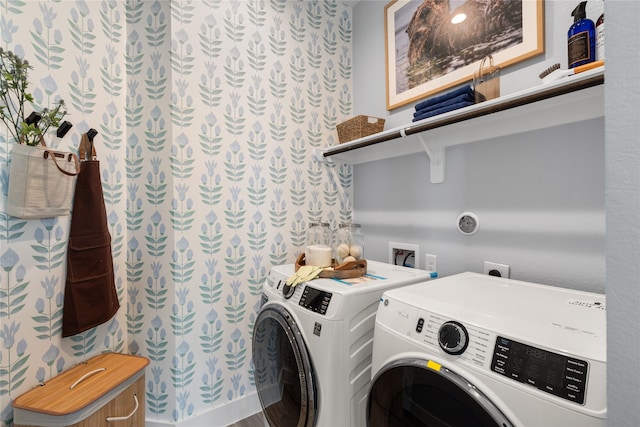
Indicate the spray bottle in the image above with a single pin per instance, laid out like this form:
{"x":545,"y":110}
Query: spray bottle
{"x":600,"y":37}
{"x":581,"y":43}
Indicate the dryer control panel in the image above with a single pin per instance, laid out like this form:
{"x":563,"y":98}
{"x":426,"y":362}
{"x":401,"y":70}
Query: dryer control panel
{"x":553,"y":373}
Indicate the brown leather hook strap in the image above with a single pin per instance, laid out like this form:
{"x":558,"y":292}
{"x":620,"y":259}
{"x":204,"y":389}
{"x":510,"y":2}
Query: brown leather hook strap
{"x":86,"y":147}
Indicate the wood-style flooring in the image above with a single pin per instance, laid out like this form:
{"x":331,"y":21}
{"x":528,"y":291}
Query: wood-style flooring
{"x":256,"y":420}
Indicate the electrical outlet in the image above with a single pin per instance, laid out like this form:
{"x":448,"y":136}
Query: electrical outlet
{"x":431,"y":262}
{"x":495,"y":269}
{"x":405,"y":254}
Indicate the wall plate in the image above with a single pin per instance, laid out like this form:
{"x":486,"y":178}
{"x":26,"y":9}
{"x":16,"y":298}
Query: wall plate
{"x":468,"y":223}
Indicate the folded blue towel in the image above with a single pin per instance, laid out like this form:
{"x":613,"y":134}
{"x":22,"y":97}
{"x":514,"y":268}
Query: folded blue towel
{"x":443,"y":110}
{"x":437,"y":99}
{"x":465,"y":97}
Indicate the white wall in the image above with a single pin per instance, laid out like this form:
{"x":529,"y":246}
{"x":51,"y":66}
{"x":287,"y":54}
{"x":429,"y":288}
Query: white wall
{"x":622,"y":104}
{"x":539,"y":196}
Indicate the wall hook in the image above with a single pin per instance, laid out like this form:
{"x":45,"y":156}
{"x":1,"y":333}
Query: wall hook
{"x":33,"y":118}
{"x":91,"y":134}
{"x":63,"y":129}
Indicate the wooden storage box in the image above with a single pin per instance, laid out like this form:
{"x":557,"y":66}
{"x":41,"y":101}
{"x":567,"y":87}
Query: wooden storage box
{"x":107,"y":390}
{"x":358,"y":127}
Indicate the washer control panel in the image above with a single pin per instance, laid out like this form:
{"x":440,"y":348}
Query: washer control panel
{"x":315,"y":300}
{"x":562,"y":376}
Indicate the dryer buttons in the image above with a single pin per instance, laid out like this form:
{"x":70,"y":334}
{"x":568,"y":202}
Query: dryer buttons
{"x":420,"y":325}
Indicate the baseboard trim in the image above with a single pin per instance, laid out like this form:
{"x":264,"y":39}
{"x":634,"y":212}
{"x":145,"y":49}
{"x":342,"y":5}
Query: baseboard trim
{"x":220,"y":416}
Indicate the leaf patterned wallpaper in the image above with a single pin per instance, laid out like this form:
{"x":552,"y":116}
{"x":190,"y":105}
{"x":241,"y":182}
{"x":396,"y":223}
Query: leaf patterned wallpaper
{"x":208,"y":114}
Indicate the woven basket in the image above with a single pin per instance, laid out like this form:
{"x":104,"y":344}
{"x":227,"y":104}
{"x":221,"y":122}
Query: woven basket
{"x":358,"y":127}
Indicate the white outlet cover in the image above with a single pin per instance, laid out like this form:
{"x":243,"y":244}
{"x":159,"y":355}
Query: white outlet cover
{"x":468,"y":223}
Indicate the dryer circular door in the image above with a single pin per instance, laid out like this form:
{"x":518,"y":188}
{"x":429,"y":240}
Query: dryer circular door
{"x":419,"y":393}
{"x":284,"y":377}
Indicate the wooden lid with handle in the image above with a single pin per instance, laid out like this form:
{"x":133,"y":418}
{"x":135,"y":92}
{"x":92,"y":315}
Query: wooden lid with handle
{"x":81,"y":385}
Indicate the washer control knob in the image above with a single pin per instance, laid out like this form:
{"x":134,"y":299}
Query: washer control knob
{"x":453,"y":337}
{"x":288,"y":291}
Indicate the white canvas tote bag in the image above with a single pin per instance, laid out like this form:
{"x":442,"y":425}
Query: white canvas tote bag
{"x":41,"y":181}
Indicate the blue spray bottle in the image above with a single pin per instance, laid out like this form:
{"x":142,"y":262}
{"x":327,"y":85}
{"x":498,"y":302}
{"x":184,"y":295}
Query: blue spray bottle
{"x":581,"y":43}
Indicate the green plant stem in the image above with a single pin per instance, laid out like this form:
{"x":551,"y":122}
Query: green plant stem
{"x":14,"y":81}
{"x":13,"y":91}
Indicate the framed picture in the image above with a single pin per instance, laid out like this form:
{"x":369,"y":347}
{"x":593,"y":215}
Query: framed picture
{"x":428,"y":52}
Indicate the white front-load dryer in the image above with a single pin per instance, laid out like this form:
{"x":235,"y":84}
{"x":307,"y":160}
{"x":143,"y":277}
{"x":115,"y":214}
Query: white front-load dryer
{"x":312,"y":345}
{"x":477,"y":350}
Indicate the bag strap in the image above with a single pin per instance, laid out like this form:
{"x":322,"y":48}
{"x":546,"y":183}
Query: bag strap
{"x":70,"y":156}
{"x":54,"y":156}
{"x":491,"y":68}
{"x":86,"y":147}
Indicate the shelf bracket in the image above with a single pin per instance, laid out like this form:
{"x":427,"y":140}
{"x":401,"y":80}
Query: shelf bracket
{"x":318,"y":156}
{"x":435,"y":153}
{"x":331,"y":170}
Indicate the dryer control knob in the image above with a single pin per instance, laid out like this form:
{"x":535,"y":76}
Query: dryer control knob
{"x":453,"y":337}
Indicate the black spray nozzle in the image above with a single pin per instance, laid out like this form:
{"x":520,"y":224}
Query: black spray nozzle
{"x":580,"y":12}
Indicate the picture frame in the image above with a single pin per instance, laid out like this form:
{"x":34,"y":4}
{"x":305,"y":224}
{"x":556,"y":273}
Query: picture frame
{"x":426,"y":53}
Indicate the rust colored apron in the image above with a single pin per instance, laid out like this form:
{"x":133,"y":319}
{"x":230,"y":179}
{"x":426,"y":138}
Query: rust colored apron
{"x":90,"y":296}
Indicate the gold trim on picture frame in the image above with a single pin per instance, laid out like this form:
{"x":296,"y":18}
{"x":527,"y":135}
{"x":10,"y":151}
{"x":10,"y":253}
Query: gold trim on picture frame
{"x":439,"y":63}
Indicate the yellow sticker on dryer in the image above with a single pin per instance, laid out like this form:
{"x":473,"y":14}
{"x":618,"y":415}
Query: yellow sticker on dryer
{"x":433,"y":365}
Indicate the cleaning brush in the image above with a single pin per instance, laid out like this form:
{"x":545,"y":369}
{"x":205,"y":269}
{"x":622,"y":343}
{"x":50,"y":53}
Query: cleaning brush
{"x":554,"y":72}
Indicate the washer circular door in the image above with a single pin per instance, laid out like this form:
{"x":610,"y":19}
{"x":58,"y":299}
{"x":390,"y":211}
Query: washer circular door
{"x":282,"y":369}
{"x":418,"y":392}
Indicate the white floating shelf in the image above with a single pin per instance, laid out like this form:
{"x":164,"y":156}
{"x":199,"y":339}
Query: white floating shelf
{"x":570,"y":100}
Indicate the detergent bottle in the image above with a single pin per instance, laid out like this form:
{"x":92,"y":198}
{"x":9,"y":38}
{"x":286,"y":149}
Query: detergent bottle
{"x":581,"y":43}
